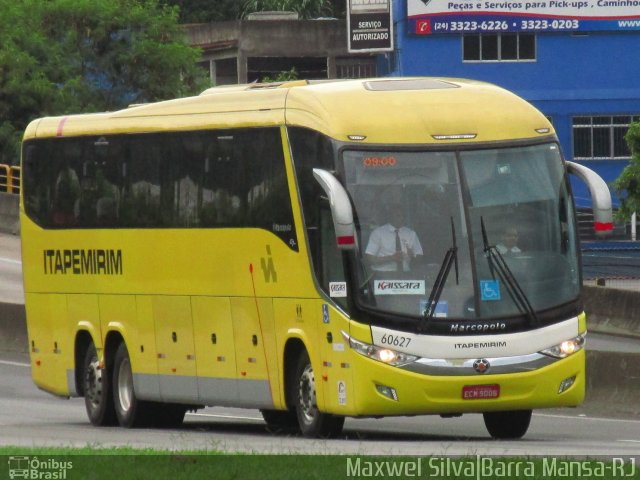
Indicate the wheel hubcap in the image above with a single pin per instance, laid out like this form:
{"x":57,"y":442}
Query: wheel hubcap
{"x":93,"y":384}
{"x":307,"y":394}
{"x":125,"y":385}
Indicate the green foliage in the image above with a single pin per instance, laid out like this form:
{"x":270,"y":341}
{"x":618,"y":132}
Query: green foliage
{"x":204,"y":11}
{"x":285,"y":76}
{"x":628,"y":183}
{"x":305,"y":8}
{"x":71,"y":56}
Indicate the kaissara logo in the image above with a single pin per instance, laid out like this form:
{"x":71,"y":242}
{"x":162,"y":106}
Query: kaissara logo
{"x":399,"y":287}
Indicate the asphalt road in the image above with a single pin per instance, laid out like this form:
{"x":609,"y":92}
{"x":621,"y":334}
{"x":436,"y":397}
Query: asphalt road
{"x":30,"y":417}
{"x":10,"y":270}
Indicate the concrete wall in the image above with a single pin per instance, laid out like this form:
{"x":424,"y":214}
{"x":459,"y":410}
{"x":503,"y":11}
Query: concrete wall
{"x":13,"y":328}
{"x":9,"y":219}
{"x":612,"y":311}
{"x":288,"y":38}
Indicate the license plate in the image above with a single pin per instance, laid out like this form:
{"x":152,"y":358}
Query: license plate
{"x":480,"y":392}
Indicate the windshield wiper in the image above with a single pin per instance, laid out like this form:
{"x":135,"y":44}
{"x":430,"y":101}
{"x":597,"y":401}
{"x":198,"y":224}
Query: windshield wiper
{"x":506,"y":275}
{"x":450,"y":258}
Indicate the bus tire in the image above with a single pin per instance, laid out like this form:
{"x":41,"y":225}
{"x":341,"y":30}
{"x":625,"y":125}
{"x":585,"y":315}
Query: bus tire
{"x":97,"y":390}
{"x":507,"y":425}
{"x":130,"y":411}
{"x":312,"y":422}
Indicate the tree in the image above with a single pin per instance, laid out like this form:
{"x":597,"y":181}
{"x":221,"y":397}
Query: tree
{"x":286,"y":76}
{"x":72,"y":56}
{"x":628,"y":183}
{"x":305,"y":8}
{"x":202,"y":11}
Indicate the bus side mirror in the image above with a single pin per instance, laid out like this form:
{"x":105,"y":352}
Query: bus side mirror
{"x":340,"y":209}
{"x":600,"y":196}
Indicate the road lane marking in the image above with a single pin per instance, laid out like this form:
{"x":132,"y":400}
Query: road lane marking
{"x":230,"y":417}
{"x":15,"y":364}
{"x":10,"y":260}
{"x":630,"y":441}
{"x":595,"y":419}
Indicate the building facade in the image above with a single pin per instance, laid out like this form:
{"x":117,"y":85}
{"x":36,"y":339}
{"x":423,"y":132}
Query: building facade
{"x":576,"y":60}
{"x":265,"y":45}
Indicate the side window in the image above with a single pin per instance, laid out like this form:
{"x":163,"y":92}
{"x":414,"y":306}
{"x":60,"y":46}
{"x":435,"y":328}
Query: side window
{"x":312,"y":150}
{"x":268,"y":198}
{"x":203,"y":179}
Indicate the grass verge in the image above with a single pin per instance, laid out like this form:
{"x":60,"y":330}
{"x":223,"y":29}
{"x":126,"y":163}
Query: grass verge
{"x":129,"y":463}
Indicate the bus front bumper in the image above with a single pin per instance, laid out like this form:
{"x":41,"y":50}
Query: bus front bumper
{"x":381,"y":389}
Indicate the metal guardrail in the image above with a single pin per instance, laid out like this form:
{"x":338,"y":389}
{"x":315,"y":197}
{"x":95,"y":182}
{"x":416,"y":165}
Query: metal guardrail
{"x":614,"y":264}
{"x":9,"y":179}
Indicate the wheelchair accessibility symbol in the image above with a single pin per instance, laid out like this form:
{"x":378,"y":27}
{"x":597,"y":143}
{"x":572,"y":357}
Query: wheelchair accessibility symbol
{"x":489,"y":290}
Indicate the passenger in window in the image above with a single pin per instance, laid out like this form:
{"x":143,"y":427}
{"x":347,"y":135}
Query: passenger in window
{"x":65,"y":198}
{"x":393,"y":246}
{"x":509,"y":243}
{"x":108,"y":199}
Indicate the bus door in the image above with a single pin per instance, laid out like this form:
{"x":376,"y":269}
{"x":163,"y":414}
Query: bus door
{"x":254,"y":336}
{"x":330,"y":316}
{"x":175,"y":347}
{"x":215,"y":350}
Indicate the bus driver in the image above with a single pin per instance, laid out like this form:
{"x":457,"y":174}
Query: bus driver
{"x":391,"y":248}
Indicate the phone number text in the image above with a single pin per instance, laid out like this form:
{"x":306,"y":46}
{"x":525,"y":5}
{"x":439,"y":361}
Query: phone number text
{"x":505,"y":26}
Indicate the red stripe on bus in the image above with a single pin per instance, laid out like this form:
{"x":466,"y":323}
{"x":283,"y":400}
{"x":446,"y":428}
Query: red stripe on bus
{"x":347,"y":240}
{"x":61,"y":126}
{"x":603,"y":227}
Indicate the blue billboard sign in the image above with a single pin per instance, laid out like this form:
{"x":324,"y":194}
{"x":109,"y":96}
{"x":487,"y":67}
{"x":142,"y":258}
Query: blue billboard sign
{"x":427,"y":17}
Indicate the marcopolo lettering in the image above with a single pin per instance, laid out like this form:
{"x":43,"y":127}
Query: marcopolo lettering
{"x":478,"y":327}
{"x":82,"y":262}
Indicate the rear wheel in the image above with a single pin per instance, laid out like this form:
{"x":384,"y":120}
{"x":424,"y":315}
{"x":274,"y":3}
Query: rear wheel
{"x":130,"y":411}
{"x":312,"y":422}
{"x":97,"y":390}
{"x":507,"y":425}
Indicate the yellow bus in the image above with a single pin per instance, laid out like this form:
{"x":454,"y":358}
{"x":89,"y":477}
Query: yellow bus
{"x":315,"y":250}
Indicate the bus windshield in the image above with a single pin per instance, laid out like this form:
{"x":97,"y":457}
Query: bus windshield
{"x":473,"y":234}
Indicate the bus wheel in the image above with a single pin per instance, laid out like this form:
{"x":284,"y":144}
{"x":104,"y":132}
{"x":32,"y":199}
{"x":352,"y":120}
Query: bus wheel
{"x":129,"y":410}
{"x":506,"y":425}
{"x":280,"y":420}
{"x":97,"y":390}
{"x":312,"y":422}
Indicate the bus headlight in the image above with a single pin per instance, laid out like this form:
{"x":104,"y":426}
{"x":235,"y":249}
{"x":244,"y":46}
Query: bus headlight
{"x":384,"y":355}
{"x":566,"y":348}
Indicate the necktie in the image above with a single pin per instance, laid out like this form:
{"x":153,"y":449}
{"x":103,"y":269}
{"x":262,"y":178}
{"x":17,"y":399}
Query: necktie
{"x":400,"y":266}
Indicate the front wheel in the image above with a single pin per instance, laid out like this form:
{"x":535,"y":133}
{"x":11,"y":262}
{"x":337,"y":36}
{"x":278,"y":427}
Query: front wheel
{"x":507,"y":425}
{"x":312,"y":422}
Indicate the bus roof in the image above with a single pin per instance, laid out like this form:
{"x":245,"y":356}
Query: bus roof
{"x":379,"y":110}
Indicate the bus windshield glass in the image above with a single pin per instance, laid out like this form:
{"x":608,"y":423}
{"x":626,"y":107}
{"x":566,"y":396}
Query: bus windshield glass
{"x":473,"y":234}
